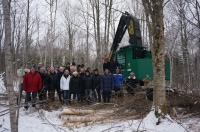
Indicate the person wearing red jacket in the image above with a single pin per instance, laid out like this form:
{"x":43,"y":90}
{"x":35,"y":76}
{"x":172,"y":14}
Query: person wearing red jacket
{"x":32,"y":83}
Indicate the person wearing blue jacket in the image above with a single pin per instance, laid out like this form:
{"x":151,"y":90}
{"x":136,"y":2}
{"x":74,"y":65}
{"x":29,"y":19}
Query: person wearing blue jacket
{"x":118,"y":79}
{"x":106,"y":84}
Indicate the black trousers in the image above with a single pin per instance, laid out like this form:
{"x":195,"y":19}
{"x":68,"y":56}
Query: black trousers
{"x":28,"y":96}
{"x":59,"y":93}
{"x":42,"y":94}
{"x":51,"y":95}
{"x":106,"y":96}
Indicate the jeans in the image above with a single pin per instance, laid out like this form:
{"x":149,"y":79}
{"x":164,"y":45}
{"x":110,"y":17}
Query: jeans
{"x":99,"y":94}
{"x":106,"y":96}
{"x":94,"y":95}
{"x":65,"y":94}
{"x":28,"y":96}
{"x":78,"y":95}
{"x":88,"y":94}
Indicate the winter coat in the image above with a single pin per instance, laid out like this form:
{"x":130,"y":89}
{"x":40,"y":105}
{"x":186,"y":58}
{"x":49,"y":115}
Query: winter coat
{"x":88,"y":82}
{"x":75,"y":85}
{"x":32,"y":82}
{"x":113,"y":66}
{"x":64,"y":82}
{"x":118,"y":79}
{"x":58,"y":76}
{"x":106,"y":82}
{"x":96,"y":81}
{"x":53,"y":81}
{"x":45,"y":80}
{"x":131,"y":81}
{"x":82,"y":83}
{"x":106,"y":66}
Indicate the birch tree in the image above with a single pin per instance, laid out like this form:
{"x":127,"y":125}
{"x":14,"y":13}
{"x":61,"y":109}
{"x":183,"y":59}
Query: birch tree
{"x":154,"y":12}
{"x":8,"y":63}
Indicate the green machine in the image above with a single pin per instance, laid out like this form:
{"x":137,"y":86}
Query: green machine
{"x":133,"y":57}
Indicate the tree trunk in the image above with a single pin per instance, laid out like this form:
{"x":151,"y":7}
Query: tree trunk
{"x":26,"y":33}
{"x":8,"y":63}
{"x":155,"y":10}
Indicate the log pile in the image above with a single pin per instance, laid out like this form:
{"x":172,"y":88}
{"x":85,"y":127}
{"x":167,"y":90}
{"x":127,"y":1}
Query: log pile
{"x":74,"y":117}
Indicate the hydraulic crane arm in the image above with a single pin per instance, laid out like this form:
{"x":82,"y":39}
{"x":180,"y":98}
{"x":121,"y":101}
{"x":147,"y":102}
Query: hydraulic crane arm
{"x":131,"y":23}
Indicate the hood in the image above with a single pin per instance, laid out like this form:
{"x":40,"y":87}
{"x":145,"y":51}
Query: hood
{"x":130,"y":77}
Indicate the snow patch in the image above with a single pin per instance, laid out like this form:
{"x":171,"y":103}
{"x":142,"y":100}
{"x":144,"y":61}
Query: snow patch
{"x":2,"y":86}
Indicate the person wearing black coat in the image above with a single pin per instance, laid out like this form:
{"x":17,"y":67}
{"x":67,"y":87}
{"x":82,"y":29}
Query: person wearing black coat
{"x":113,"y":65}
{"x":74,"y":86}
{"x":58,"y":76}
{"x":88,"y":85}
{"x":45,"y":84}
{"x":106,"y":84}
{"x":96,"y":84}
{"x":106,"y":64}
{"x":131,"y":81}
{"x":82,"y":76}
{"x":52,"y":84}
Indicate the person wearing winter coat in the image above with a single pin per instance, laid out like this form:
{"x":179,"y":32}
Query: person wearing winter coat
{"x":82,"y":83}
{"x":96,"y":83}
{"x":20,"y":73}
{"x":45,"y":84}
{"x":67,"y":67}
{"x":75,"y":87}
{"x":118,"y":79}
{"x":106,"y":84}
{"x":131,"y":81}
{"x":113,"y":65}
{"x":59,"y":75}
{"x":88,"y":85}
{"x":52,"y":84}
{"x":64,"y":86}
{"x":106,"y":64}
{"x":32,"y":83}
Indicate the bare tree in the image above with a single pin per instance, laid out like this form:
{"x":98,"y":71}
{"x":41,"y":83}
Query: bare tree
{"x":8,"y":62}
{"x":154,"y":12}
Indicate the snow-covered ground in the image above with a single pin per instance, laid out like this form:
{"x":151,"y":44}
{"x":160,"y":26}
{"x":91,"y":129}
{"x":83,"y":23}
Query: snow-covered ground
{"x":44,"y":121}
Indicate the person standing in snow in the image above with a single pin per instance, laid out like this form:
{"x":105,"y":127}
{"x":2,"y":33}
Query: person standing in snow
{"x":20,"y":73}
{"x":96,"y":84}
{"x":64,"y":86}
{"x":88,"y":85}
{"x":106,"y":84}
{"x":131,"y":81}
{"x":59,"y":75}
{"x":118,"y":79}
{"x":75,"y":87}
{"x":32,"y":83}
{"x":45,"y":84}
{"x":52,"y":85}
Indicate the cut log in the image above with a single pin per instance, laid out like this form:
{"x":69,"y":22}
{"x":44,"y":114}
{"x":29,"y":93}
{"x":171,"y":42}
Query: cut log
{"x":80,"y":119}
{"x":76,"y":112}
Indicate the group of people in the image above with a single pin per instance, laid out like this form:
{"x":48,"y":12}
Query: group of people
{"x":70,"y":83}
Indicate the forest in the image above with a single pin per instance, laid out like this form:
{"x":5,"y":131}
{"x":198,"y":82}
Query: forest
{"x":55,"y":33}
